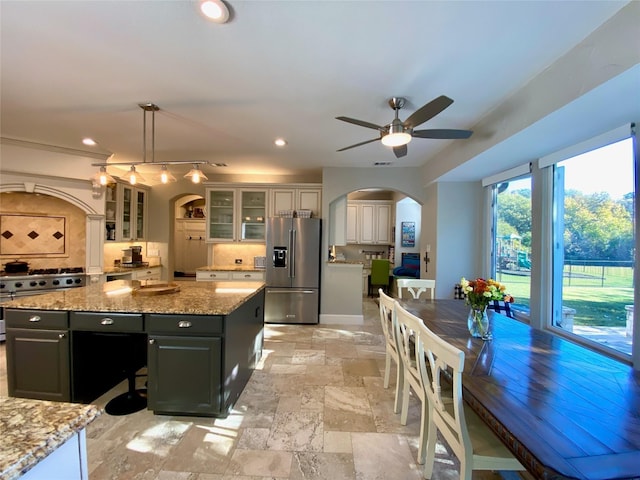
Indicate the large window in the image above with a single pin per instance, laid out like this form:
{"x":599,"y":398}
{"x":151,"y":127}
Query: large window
{"x":512,"y":239}
{"x":594,"y":245}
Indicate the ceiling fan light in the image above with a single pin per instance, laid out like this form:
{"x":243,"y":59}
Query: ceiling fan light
{"x":396,"y":139}
{"x":165,"y":175}
{"x":196,"y":175}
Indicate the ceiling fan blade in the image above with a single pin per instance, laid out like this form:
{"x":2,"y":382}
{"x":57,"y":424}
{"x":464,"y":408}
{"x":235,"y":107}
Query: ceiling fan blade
{"x":361,"y":123}
{"x":442,"y":133}
{"x":400,"y":151}
{"x":428,"y":111}
{"x":358,"y":144}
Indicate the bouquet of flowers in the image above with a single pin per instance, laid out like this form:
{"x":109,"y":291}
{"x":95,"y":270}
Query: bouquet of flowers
{"x":480,"y":292}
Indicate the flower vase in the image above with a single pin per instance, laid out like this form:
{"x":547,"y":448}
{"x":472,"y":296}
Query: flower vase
{"x":478,"y":323}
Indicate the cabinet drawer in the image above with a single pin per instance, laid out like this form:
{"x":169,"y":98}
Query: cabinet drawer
{"x":152,"y":273}
{"x":107,"y":322}
{"x":36,"y":319}
{"x":184,"y":324}
{"x":209,"y":275}
{"x":247,"y":276}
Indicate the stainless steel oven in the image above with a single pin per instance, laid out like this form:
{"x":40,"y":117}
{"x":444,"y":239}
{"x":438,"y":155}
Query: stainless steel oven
{"x":36,"y":282}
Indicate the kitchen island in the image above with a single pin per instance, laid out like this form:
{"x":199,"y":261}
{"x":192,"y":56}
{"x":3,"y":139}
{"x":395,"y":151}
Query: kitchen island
{"x":41,"y":437}
{"x":200,"y":344}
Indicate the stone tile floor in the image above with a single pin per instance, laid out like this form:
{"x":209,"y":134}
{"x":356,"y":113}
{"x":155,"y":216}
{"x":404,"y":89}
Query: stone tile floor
{"x":314,"y":409}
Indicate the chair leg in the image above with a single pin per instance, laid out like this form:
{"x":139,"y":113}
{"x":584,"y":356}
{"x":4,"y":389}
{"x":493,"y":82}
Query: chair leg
{"x":431,"y":449}
{"x":387,"y":370}
{"x":399,"y":387}
{"x":405,"y":403}
{"x":424,"y":422}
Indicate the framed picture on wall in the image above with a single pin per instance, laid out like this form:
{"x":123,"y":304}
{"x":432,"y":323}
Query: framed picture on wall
{"x":408,"y":234}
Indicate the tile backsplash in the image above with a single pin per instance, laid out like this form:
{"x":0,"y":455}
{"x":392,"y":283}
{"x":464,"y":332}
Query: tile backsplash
{"x":56,"y":229}
{"x":225,"y":254}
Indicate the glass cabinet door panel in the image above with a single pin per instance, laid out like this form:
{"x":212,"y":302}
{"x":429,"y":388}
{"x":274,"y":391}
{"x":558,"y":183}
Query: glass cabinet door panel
{"x":127,"y":206}
{"x":252,"y":215}
{"x":221,"y":214}
{"x":140,"y":210}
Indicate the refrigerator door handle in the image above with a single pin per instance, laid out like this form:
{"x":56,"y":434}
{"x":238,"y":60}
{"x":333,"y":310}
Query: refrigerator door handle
{"x":292,"y":254}
{"x":289,"y":291}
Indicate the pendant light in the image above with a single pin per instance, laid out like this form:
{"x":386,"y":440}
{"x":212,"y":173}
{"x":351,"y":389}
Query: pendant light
{"x":103,"y":178}
{"x":133,"y":176}
{"x":165,"y":175}
{"x":195,"y":174}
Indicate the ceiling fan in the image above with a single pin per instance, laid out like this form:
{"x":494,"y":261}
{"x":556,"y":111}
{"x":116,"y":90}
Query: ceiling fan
{"x":397,"y":134}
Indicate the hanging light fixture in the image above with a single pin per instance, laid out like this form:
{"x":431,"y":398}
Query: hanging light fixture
{"x":195,"y":174}
{"x":133,"y":176}
{"x":103,"y":178}
{"x":165,"y":175}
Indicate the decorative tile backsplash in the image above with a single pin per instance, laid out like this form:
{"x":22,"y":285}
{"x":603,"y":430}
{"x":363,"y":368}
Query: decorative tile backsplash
{"x":32,"y":235}
{"x":45,"y":231}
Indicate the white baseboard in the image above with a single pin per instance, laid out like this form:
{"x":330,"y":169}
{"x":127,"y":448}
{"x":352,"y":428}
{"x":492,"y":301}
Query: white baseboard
{"x":334,"y":319}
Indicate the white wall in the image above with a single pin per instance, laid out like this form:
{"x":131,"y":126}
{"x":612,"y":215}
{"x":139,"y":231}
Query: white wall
{"x":407,"y":210}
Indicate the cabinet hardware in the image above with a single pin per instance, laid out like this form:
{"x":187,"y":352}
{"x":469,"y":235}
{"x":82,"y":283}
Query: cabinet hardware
{"x":152,"y":341}
{"x":35,"y":318}
{"x":106,"y":321}
{"x":184,"y":324}
{"x":62,"y":335}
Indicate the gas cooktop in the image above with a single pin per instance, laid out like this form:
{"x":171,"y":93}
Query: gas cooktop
{"x":41,"y":280}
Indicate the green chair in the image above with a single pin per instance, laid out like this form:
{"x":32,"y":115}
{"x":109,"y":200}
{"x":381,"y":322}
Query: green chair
{"x":379,"y":276}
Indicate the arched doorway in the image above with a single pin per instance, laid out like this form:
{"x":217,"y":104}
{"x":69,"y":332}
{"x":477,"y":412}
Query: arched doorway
{"x":189,"y":247}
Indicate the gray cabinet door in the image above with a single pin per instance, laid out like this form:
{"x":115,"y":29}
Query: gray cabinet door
{"x":184,"y":374}
{"x":38,"y":364}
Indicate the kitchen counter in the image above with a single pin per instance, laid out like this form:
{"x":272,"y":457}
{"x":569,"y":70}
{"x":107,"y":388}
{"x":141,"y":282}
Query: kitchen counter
{"x":345,"y":262}
{"x":33,"y":429}
{"x":200,"y":344}
{"x":194,"y":298}
{"x":111,"y":270}
{"x":230,"y":268}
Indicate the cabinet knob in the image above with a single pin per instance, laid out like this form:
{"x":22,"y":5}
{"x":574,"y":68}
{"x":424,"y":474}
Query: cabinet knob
{"x":62,"y":335}
{"x":106,"y":321}
{"x":184,"y":324}
{"x":152,"y":341}
{"x":34,"y":318}
{"x":247,"y":275}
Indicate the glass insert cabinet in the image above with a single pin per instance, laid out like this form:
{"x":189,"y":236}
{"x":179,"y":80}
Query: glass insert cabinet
{"x":125,"y":212}
{"x":236,"y":215}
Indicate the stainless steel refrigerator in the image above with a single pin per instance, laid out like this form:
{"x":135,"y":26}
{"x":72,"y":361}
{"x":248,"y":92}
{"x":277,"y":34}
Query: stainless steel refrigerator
{"x":293,"y":270}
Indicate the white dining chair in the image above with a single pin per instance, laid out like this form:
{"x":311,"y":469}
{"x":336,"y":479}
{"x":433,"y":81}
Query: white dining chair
{"x":407,"y":328}
{"x":471,"y":440}
{"x":387,"y":313}
{"x":416,"y":286}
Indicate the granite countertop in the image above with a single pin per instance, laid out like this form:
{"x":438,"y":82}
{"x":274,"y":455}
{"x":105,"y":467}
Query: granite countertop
{"x":33,"y":429}
{"x":230,"y":268}
{"x":345,"y":262}
{"x":194,"y":298}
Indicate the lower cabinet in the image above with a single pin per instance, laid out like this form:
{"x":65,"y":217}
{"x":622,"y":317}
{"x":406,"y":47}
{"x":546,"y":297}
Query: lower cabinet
{"x":38,"y":363}
{"x":184,"y":374}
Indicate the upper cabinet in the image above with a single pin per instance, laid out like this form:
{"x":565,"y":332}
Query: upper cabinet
{"x":236,"y":215}
{"x":125,"y":212}
{"x":296,"y":197}
{"x":370,"y":222}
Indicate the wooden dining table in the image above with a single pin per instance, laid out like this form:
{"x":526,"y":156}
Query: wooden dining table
{"x":564,"y":411}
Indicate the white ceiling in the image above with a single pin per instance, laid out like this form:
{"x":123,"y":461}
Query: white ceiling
{"x":74,"y":69}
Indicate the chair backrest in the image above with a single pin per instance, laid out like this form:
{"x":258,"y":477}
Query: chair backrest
{"x":408,"y":328}
{"x":501,"y":306}
{"x":379,"y":272}
{"x":416,"y":286}
{"x":438,"y":360}
{"x":387,"y":318}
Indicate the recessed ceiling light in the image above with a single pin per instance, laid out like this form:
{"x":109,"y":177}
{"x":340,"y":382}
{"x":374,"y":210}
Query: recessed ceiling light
{"x":280,"y":142}
{"x":215,"y":10}
{"x":89,"y":141}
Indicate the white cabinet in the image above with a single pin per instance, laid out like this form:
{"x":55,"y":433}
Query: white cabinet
{"x":211,"y":276}
{"x":149,"y":273}
{"x":125,"y":212}
{"x":215,"y":275}
{"x":370,"y":223}
{"x":236,"y":215}
{"x":290,"y":197}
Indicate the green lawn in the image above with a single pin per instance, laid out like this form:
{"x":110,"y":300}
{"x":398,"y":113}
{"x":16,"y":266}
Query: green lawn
{"x":598,"y":295}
